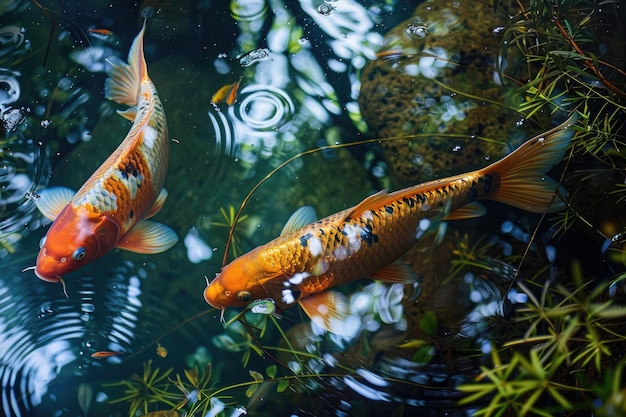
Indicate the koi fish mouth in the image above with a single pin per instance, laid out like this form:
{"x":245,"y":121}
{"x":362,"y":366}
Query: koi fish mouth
{"x":42,"y":277}
{"x":53,"y":279}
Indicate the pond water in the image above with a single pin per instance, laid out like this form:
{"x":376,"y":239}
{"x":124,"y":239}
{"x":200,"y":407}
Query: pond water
{"x":246,"y":86}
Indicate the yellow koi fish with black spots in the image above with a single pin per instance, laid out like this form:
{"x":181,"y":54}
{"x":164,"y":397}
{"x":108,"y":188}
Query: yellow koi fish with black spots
{"x":110,"y":209}
{"x":367,"y":240}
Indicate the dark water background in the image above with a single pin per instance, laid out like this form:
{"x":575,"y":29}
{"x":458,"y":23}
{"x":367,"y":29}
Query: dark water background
{"x":300,"y":97}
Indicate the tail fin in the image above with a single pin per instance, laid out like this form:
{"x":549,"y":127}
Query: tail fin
{"x":523,"y":182}
{"x":123,"y":83}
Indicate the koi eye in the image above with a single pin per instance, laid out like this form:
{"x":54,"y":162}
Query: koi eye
{"x":79,"y":253}
{"x":244,"y":296}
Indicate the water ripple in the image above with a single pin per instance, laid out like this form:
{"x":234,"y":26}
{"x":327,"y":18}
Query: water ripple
{"x":264,"y":107}
{"x":47,"y":338}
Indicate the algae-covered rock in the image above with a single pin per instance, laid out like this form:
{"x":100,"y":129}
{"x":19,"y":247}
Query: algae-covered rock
{"x":438,"y":73}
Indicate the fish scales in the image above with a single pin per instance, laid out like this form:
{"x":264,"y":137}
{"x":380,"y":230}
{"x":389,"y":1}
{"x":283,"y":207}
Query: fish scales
{"x":339,"y":249}
{"x":132,"y":165}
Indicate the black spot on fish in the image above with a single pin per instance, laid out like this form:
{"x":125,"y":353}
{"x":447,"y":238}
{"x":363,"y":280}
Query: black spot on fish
{"x":368,"y":236}
{"x":131,"y":214}
{"x":305,"y":238}
{"x":389,"y":209}
{"x":488,"y":184}
{"x":473,"y":191}
{"x":322,"y":232}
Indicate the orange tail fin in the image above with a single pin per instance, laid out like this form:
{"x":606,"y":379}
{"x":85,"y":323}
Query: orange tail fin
{"x":523,"y":180}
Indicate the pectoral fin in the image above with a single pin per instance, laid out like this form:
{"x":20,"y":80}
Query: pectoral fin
{"x":148,"y":237}
{"x":398,"y":272}
{"x":330,"y":311}
{"x":158,"y":204}
{"x":468,"y":211}
{"x":52,"y":200}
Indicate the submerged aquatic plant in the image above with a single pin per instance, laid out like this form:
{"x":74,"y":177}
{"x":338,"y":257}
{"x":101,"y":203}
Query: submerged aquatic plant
{"x":231,"y":221}
{"x":565,"y":352}
{"x":572,"y":337}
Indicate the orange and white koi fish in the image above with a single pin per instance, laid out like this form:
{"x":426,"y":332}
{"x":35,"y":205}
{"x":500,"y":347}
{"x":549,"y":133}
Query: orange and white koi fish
{"x":110,"y":209}
{"x":367,"y":240}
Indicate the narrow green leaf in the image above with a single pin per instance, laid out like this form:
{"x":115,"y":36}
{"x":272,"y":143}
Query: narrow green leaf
{"x":412,"y":344}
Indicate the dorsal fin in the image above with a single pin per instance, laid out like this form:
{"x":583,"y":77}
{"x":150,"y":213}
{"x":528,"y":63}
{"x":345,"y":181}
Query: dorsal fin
{"x":373,"y":202}
{"x":300,"y":218}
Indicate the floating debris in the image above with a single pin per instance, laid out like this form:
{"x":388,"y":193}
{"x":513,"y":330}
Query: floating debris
{"x":161,"y":351}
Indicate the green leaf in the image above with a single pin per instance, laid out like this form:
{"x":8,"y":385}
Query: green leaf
{"x":428,"y":324}
{"x":271,"y":371}
{"x":424,"y":354}
{"x":251,"y":390}
{"x":257,"y":376}
{"x":282,"y":385}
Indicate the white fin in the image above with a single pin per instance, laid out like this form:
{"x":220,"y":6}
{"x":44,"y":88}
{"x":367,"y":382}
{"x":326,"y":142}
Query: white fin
{"x":52,"y":200}
{"x":158,"y":204}
{"x":148,"y":237}
{"x":300,"y":218}
{"x":122,"y":86}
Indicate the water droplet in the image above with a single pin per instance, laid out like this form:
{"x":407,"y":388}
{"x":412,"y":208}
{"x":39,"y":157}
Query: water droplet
{"x":497,"y":30}
{"x":254,"y":56}
{"x":417,"y":30}
{"x":456,"y":148}
{"x":45,"y":123}
{"x":418,"y":160}
{"x":325,"y":9}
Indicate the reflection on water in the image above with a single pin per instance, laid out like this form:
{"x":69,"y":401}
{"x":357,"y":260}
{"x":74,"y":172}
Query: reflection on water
{"x":299,"y":65}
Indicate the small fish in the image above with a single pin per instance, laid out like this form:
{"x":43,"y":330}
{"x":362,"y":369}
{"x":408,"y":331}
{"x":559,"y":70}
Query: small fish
{"x":226,"y":93}
{"x":161,"y":351}
{"x":110,"y":209}
{"x":309,"y":256}
{"x":105,"y":354}
{"x":100,"y":33}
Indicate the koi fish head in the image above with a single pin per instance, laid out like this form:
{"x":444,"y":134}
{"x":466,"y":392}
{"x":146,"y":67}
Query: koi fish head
{"x":237,"y":285}
{"x":74,"y":239}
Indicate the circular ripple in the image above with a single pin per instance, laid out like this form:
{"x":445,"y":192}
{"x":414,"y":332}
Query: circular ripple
{"x":264,"y":107}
